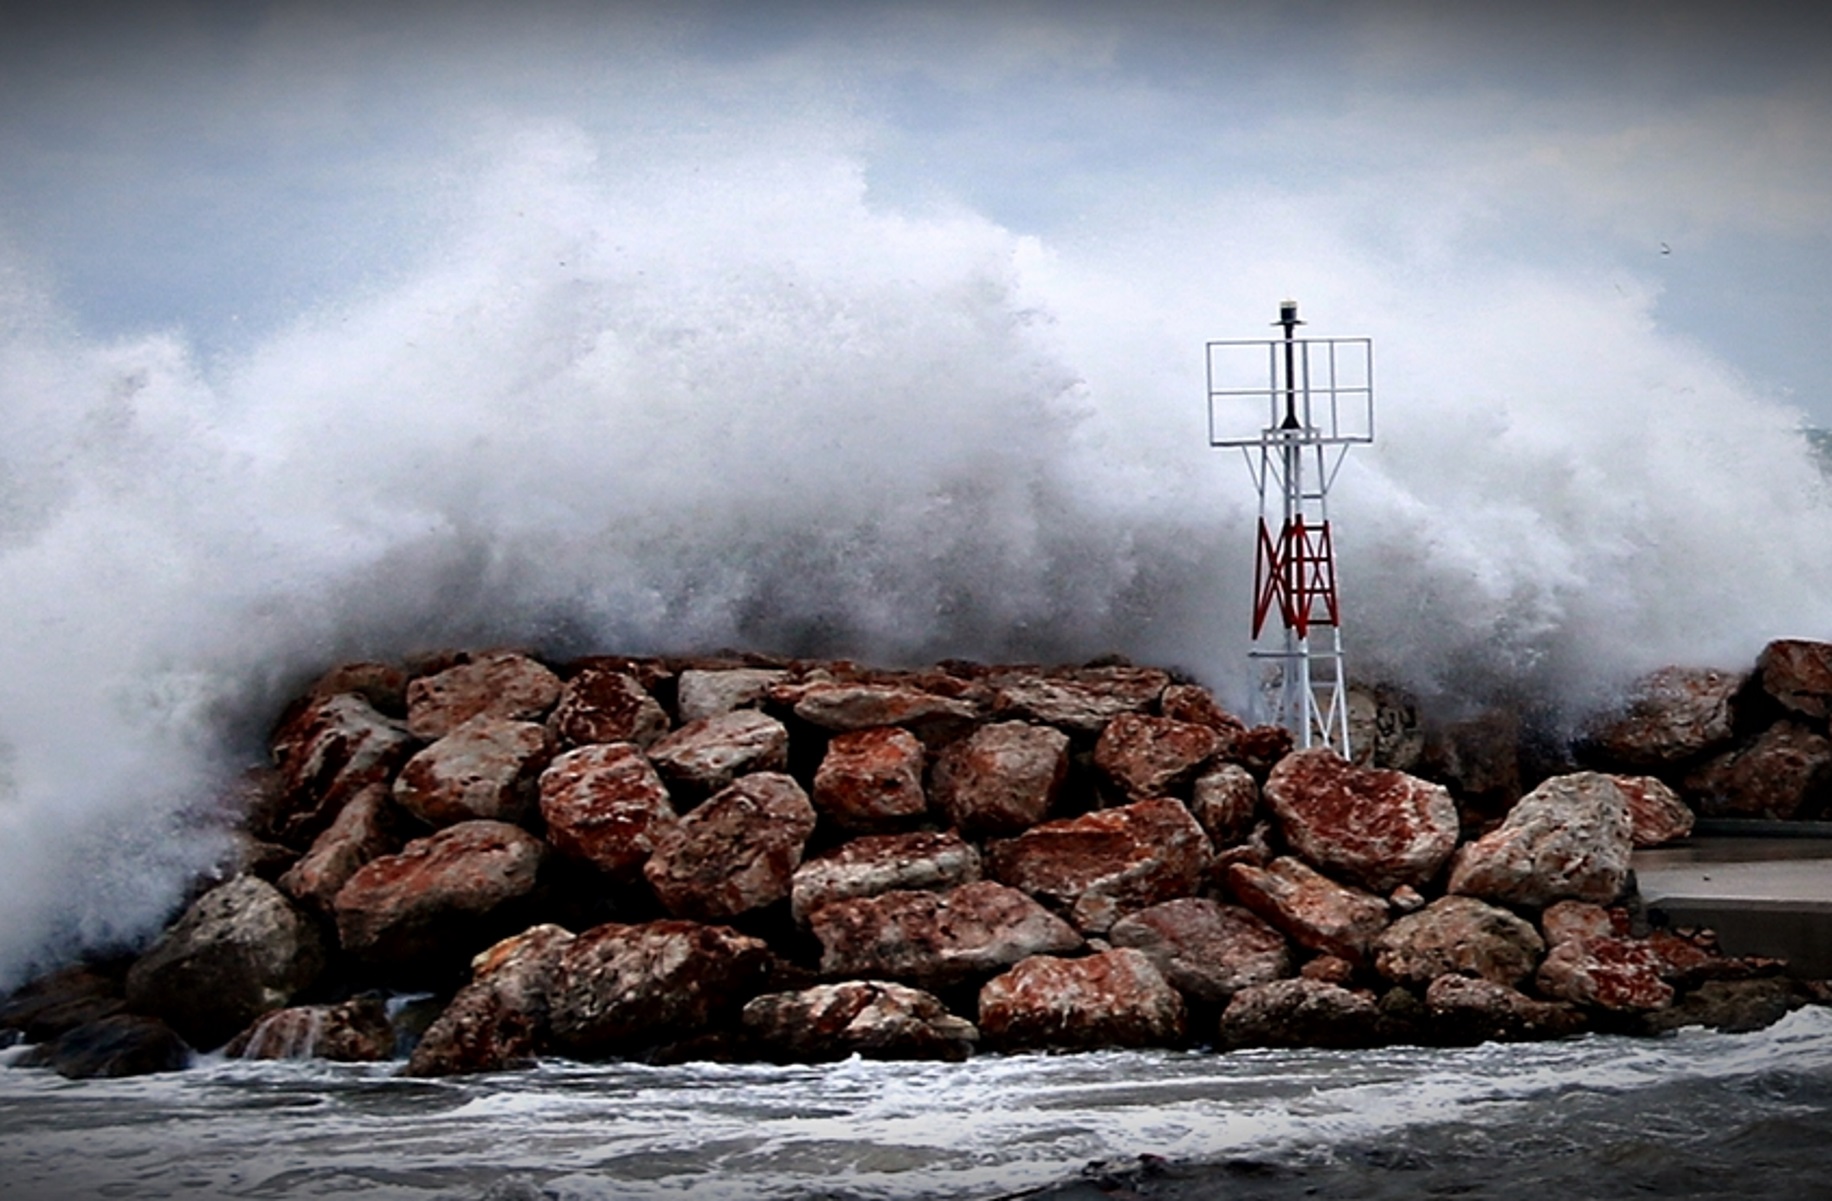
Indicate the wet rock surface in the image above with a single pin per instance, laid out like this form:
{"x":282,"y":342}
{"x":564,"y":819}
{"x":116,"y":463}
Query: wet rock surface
{"x":603,"y":804}
{"x":504,"y":685}
{"x":1569,"y":838}
{"x":1111,"y":999}
{"x":1373,"y":827}
{"x":937,"y":938}
{"x":735,"y":853}
{"x":874,"y":1019}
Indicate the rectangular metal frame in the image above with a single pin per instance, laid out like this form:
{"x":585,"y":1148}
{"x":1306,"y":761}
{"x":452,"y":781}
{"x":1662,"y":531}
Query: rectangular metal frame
{"x":1333,"y":394}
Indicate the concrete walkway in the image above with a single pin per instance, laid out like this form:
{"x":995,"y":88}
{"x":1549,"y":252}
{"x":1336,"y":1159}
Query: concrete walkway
{"x":1763,"y":896}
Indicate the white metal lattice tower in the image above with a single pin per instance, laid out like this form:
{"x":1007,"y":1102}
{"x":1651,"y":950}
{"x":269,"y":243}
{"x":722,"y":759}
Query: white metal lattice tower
{"x":1300,"y":403}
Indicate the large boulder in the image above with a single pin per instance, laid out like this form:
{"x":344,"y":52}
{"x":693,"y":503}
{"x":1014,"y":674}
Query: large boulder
{"x":1003,"y":778}
{"x":327,"y":751}
{"x":1785,"y":772}
{"x":1146,"y":756}
{"x":1225,"y":803}
{"x":735,"y":853}
{"x":45,"y":1007}
{"x":1197,"y":705}
{"x":874,"y":1019}
{"x":355,"y":1031}
{"x":240,"y":950}
{"x":1300,"y":1013}
{"x":1114,"y":999}
{"x":703,"y":693}
{"x":623,"y":989}
{"x":1568,"y":838}
{"x":1608,"y":973}
{"x":603,"y":804}
{"x":1311,"y":909}
{"x":123,"y":1044}
{"x":500,"y":684}
{"x":418,"y":917}
{"x":1656,"y":814}
{"x":1207,"y":951}
{"x":706,"y":755}
{"x":366,"y":828}
{"x":1079,"y":700}
{"x":500,"y":1020}
{"x":1461,"y":935}
{"x":1368,"y":826}
{"x":840,"y":706}
{"x":603,"y":704}
{"x":1472,"y":1009}
{"x":936,"y":939}
{"x":871,"y":779}
{"x":1798,"y":674}
{"x":882,"y":863}
{"x":1671,"y":715}
{"x":1102,"y":865}
{"x":484,"y":768}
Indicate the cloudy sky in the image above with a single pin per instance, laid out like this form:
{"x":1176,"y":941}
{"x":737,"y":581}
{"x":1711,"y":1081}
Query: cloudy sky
{"x":220,"y":168}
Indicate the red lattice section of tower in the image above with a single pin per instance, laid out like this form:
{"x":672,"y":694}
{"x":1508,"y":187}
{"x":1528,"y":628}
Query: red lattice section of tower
{"x":1295,"y":573}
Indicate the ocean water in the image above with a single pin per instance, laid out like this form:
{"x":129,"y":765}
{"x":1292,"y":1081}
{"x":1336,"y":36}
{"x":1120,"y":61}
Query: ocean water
{"x":1695,"y":1114}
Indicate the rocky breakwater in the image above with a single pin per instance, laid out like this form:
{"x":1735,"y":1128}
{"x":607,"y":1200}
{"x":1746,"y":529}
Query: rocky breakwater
{"x":802,"y":861}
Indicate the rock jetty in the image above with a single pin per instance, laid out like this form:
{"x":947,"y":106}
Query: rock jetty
{"x":743,"y":858}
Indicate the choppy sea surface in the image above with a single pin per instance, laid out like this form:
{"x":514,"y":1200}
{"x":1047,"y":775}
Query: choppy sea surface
{"x":1696,"y":1114}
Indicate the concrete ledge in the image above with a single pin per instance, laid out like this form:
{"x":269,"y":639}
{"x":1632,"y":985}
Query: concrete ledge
{"x":1763,"y":896}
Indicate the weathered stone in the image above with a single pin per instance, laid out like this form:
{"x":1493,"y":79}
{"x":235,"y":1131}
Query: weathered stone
{"x":1568,"y":838}
{"x":326,"y":752}
{"x":1105,"y":864}
{"x":1470,"y":1009}
{"x":1311,"y":909}
{"x":1477,"y":758}
{"x":1148,"y":756}
{"x":1384,"y":729}
{"x":383,"y":685}
{"x":871,"y":779}
{"x":367,"y":827}
{"x":1671,"y":715}
{"x":1405,"y":899}
{"x":500,"y":1020}
{"x":240,"y":950}
{"x":622,"y":989}
{"x":1655,"y":812}
{"x":485,"y":768}
{"x":1567,"y":920}
{"x":605,"y":705}
{"x":1225,"y":802}
{"x":420,"y":915}
{"x":1207,"y":951}
{"x":842,"y":706}
{"x":873,"y":1019}
{"x":1260,"y":749}
{"x":603,"y":804}
{"x":1197,"y":705}
{"x":502,"y":684}
{"x":1114,"y":999}
{"x":1785,"y":773}
{"x":1798,"y":674}
{"x":61,"y":1000}
{"x":1730,"y":1006}
{"x":1461,"y":935}
{"x":735,"y":853}
{"x":706,"y":755}
{"x":702,"y":693}
{"x":1330,"y":969}
{"x":882,"y":863}
{"x":935,"y":939}
{"x":120,"y":1045}
{"x":1370,"y":826}
{"x":1081,"y":700}
{"x":1003,"y":778}
{"x":1300,"y":1013}
{"x":1608,"y":973}
{"x":356,"y":1031}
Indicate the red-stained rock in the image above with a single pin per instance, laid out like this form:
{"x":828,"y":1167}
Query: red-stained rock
{"x":1608,"y":973}
{"x":874,"y":1019}
{"x":1567,"y":920}
{"x":240,"y":950}
{"x":484,"y":768}
{"x":1798,"y":674}
{"x":605,"y":705}
{"x":1149,"y":756}
{"x":1114,"y":999}
{"x":417,"y":916}
{"x":623,"y":989}
{"x":1369,"y":826}
{"x":500,"y":1020}
{"x":326,"y":752}
{"x":1655,"y":811}
{"x":366,"y":828}
{"x":356,"y":1031}
{"x":383,"y":685}
{"x":871,"y":779}
{"x":1328,"y":969}
{"x":1102,"y":865}
{"x":735,"y":853}
{"x":1311,"y":909}
{"x":1671,"y":715}
{"x":1197,"y":705}
{"x":703,"y":693}
{"x":1225,"y":802}
{"x":1207,"y":951}
{"x":1460,"y":935}
{"x":935,"y":939}
{"x":502,"y":684}
{"x":602,"y":804}
{"x":840,"y":707}
{"x":1568,"y":838}
{"x":1079,"y":700}
{"x":882,"y":863}
{"x":1469,"y":1009}
{"x":1786,"y":772}
{"x":1261,"y":748}
{"x":706,"y":755}
{"x":1002,"y":778}
{"x":1300,"y":1013}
